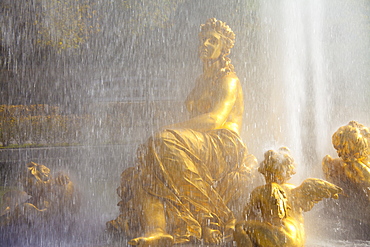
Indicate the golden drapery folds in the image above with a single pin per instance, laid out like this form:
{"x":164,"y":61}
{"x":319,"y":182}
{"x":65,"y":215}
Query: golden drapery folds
{"x":199,"y":176}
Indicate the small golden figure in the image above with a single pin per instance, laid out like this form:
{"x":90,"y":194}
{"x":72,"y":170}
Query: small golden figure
{"x":351,"y":171}
{"x":45,"y":202}
{"x":10,"y":200}
{"x":274,"y":214}
{"x":191,"y":175}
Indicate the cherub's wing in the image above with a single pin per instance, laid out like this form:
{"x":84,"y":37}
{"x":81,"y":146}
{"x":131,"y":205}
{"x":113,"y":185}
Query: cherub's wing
{"x":319,"y":189}
{"x":332,"y":168}
{"x":313,"y":190}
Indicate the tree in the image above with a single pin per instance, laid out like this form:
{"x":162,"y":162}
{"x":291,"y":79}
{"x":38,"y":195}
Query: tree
{"x":66,"y":24}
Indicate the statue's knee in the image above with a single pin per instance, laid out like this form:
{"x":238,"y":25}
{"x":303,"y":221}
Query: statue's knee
{"x":163,"y":135}
{"x":239,"y":228}
{"x":241,"y":237}
{"x":161,"y":141}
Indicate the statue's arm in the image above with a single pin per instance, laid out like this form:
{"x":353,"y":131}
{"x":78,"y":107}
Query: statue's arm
{"x":216,"y":117}
{"x":336,"y":169}
{"x":252,"y":211}
{"x":359,"y":173}
{"x":190,"y":99}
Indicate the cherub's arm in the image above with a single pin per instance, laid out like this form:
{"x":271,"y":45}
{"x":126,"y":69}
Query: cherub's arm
{"x":252,"y":210}
{"x":358,"y":172}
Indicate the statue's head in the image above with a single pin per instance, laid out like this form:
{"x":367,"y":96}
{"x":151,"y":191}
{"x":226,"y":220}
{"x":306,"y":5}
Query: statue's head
{"x":217,"y":34}
{"x":277,"y":166}
{"x":36,"y":179}
{"x":351,"y":142}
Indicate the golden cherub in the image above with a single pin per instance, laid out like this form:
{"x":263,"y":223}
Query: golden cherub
{"x":274,"y":214}
{"x":351,"y":171}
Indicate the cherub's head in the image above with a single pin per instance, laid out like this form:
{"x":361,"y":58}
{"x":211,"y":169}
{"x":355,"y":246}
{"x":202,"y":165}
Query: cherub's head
{"x":37,"y":178}
{"x":351,"y":142}
{"x":278,"y":166}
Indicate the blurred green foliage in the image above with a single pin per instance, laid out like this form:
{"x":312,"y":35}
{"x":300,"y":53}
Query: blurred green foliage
{"x":38,"y":124}
{"x":43,"y":125}
{"x":66,"y":24}
{"x":149,"y":14}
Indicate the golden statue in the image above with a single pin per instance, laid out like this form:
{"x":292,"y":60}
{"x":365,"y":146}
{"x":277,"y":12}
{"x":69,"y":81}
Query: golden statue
{"x":351,"y":171}
{"x":274,"y":214}
{"x":192,"y":175}
{"x":45,"y":202}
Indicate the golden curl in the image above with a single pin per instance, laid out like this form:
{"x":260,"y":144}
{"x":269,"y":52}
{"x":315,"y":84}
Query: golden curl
{"x":351,"y":141}
{"x":224,"y":30}
{"x":228,"y":41}
{"x":277,"y":162}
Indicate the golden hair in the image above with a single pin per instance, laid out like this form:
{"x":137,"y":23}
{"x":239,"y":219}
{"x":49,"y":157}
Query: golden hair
{"x":277,"y":163}
{"x":351,"y":141}
{"x":228,"y":41}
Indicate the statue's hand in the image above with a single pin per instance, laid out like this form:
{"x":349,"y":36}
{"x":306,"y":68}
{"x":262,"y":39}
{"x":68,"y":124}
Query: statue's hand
{"x":62,"y":179}
{"x":211,"y":236}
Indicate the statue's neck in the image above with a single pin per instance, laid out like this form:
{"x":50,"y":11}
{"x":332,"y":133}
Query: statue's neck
{"x":211,"y":68}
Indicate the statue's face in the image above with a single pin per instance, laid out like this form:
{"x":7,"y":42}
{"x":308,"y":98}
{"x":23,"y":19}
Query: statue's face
{"x":210,"y":47}
{"x":352,"y":152}
{"x":282,"y":177}
{"x":37,"y":179}
{"x":41,"y":173}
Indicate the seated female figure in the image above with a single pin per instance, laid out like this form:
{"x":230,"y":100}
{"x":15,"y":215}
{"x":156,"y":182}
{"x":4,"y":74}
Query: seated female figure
{"x":190,"y":174}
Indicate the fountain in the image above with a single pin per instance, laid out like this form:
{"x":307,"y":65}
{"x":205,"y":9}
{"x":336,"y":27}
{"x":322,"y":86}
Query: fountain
{"x":303,"y":66}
